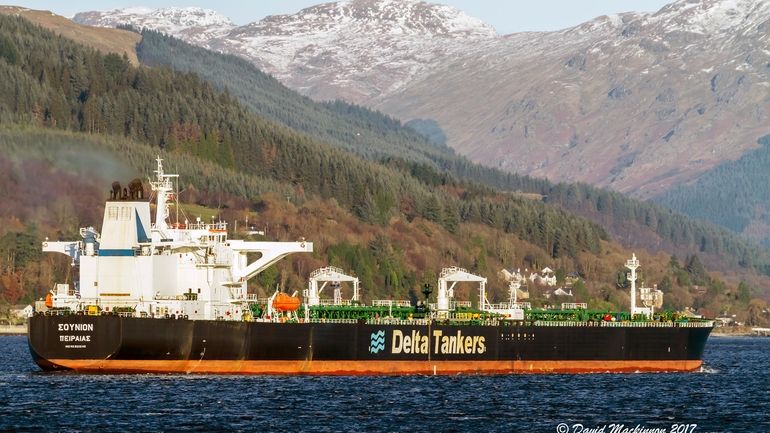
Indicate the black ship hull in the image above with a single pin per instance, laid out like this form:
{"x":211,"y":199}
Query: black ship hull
{"x":119,"y":344}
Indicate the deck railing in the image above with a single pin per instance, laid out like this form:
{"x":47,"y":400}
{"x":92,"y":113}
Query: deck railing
{"x":391,"y":303}
{"x":606,"y":324}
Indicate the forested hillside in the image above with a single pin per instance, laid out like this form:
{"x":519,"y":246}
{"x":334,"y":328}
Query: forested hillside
{"x":83,"y":90}
{"x":353,"y":128}
{"x":376,"y":136}
{"x":56,"y":181}
{"x":74,"y":119}
{"x":735,"y":195}
{"x":369,"y":134}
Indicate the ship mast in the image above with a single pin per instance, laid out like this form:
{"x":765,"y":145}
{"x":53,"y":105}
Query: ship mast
{"x":632,"y":264}
{"x":162,"y":185}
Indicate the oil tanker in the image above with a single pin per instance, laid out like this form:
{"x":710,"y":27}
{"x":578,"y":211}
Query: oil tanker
{"x":163,"y":297}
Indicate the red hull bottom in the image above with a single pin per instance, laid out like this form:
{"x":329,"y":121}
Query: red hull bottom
{"x":350,"y":368}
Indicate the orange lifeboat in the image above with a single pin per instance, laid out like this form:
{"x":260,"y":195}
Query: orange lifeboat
{"x":49,"y":300}
{"x":284,"y":302}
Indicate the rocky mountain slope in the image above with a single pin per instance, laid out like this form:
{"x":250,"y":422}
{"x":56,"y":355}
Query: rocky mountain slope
{"x":637,"y":102}
{"x":195,"y":25}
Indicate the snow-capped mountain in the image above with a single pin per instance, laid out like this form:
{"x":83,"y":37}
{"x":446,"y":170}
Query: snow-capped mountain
{"x":195,"y":25}
{"x":635,"y":101}
{"x":355,"y":49}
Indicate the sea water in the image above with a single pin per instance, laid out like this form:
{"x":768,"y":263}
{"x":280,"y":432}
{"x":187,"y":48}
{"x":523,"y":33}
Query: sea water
{"x":730,"y":394}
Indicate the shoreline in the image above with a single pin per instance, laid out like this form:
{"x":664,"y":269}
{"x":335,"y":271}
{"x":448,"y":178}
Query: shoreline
{"x":13,"y":329}
{"x":734,"y":331}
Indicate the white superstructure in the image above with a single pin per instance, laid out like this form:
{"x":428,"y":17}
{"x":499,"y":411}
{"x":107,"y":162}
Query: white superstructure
{"x":159,"y":269}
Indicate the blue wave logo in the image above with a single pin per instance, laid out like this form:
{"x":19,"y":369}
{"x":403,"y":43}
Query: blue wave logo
{"x":378,"y":342}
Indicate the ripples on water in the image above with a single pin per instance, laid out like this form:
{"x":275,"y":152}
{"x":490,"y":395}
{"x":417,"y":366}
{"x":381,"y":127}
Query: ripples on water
{"x":730,"y":394}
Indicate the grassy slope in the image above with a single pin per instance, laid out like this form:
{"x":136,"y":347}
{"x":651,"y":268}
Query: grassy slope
{"x":106,"y":40}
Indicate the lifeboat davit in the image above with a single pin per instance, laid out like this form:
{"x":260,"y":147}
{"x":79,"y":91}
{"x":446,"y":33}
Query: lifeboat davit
{"x":284,"y":302}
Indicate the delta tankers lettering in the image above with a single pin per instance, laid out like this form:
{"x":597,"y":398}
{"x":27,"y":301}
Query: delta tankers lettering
{"x":417,"y":343}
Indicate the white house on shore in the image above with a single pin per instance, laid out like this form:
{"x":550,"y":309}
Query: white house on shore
{"x":515,"y":276}
{"x":546,"y":277}
{"x":22,"y":311}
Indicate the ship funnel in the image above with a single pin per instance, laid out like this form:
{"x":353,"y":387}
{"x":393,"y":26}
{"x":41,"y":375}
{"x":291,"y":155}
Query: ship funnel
{"x":126,"y":224}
